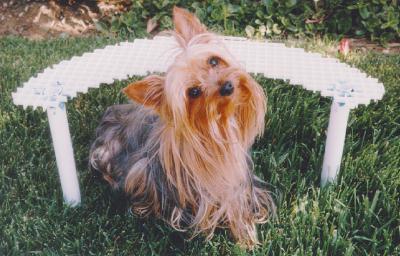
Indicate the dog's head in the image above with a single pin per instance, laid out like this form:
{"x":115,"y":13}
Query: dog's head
{"x":205,"y":91}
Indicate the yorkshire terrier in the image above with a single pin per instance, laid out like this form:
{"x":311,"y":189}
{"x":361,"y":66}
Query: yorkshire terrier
{"x":180,"y":151}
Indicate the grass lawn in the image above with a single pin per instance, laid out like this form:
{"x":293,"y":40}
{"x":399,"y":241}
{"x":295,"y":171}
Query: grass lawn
{"x":360,"y":215}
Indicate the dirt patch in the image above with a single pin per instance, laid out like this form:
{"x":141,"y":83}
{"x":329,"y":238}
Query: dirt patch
{"x":46,"y":19}
{"x":364,"y":45}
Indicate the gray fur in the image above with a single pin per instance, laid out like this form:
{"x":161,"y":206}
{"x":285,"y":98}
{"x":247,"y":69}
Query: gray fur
{"x":122,"y":135}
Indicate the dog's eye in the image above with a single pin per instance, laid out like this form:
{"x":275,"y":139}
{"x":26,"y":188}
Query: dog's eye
{"x":213,"y":61}
{"x":194,"y":92}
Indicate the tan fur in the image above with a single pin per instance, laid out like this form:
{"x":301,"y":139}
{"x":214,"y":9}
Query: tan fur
{"x":202,"y":143}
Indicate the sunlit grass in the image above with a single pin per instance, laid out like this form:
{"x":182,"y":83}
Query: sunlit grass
{"x":360,"y":215}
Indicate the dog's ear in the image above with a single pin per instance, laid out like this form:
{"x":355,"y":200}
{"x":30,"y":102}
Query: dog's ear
{"x":148,"y":92}
{"x":187,"y":25}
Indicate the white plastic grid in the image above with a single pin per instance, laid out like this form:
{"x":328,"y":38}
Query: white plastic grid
{"x":51,"y":88}
{"x":117,"y":62}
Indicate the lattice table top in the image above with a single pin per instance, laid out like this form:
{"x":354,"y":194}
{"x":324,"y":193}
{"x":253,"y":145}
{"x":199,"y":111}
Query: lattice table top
{"x":312,"y":71}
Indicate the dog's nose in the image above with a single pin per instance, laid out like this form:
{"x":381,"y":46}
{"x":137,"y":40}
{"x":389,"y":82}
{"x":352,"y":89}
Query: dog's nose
{"x":226,"y":89}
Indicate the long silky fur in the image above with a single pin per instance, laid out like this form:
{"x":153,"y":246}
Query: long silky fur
{"x":189,"y":164}
{"x":130,"y":143}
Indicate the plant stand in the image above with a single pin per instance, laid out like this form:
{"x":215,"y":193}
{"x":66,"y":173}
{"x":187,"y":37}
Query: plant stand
{"x":51,"y":89}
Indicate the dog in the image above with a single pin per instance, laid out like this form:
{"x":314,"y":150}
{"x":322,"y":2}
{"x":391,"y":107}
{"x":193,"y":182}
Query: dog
{"x":180,"y":150}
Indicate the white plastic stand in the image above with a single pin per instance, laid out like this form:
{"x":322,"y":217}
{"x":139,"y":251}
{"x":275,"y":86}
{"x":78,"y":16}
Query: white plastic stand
{"x":312,"y":71}
{"x":334,"y":142}
{"x":64,"y":154}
